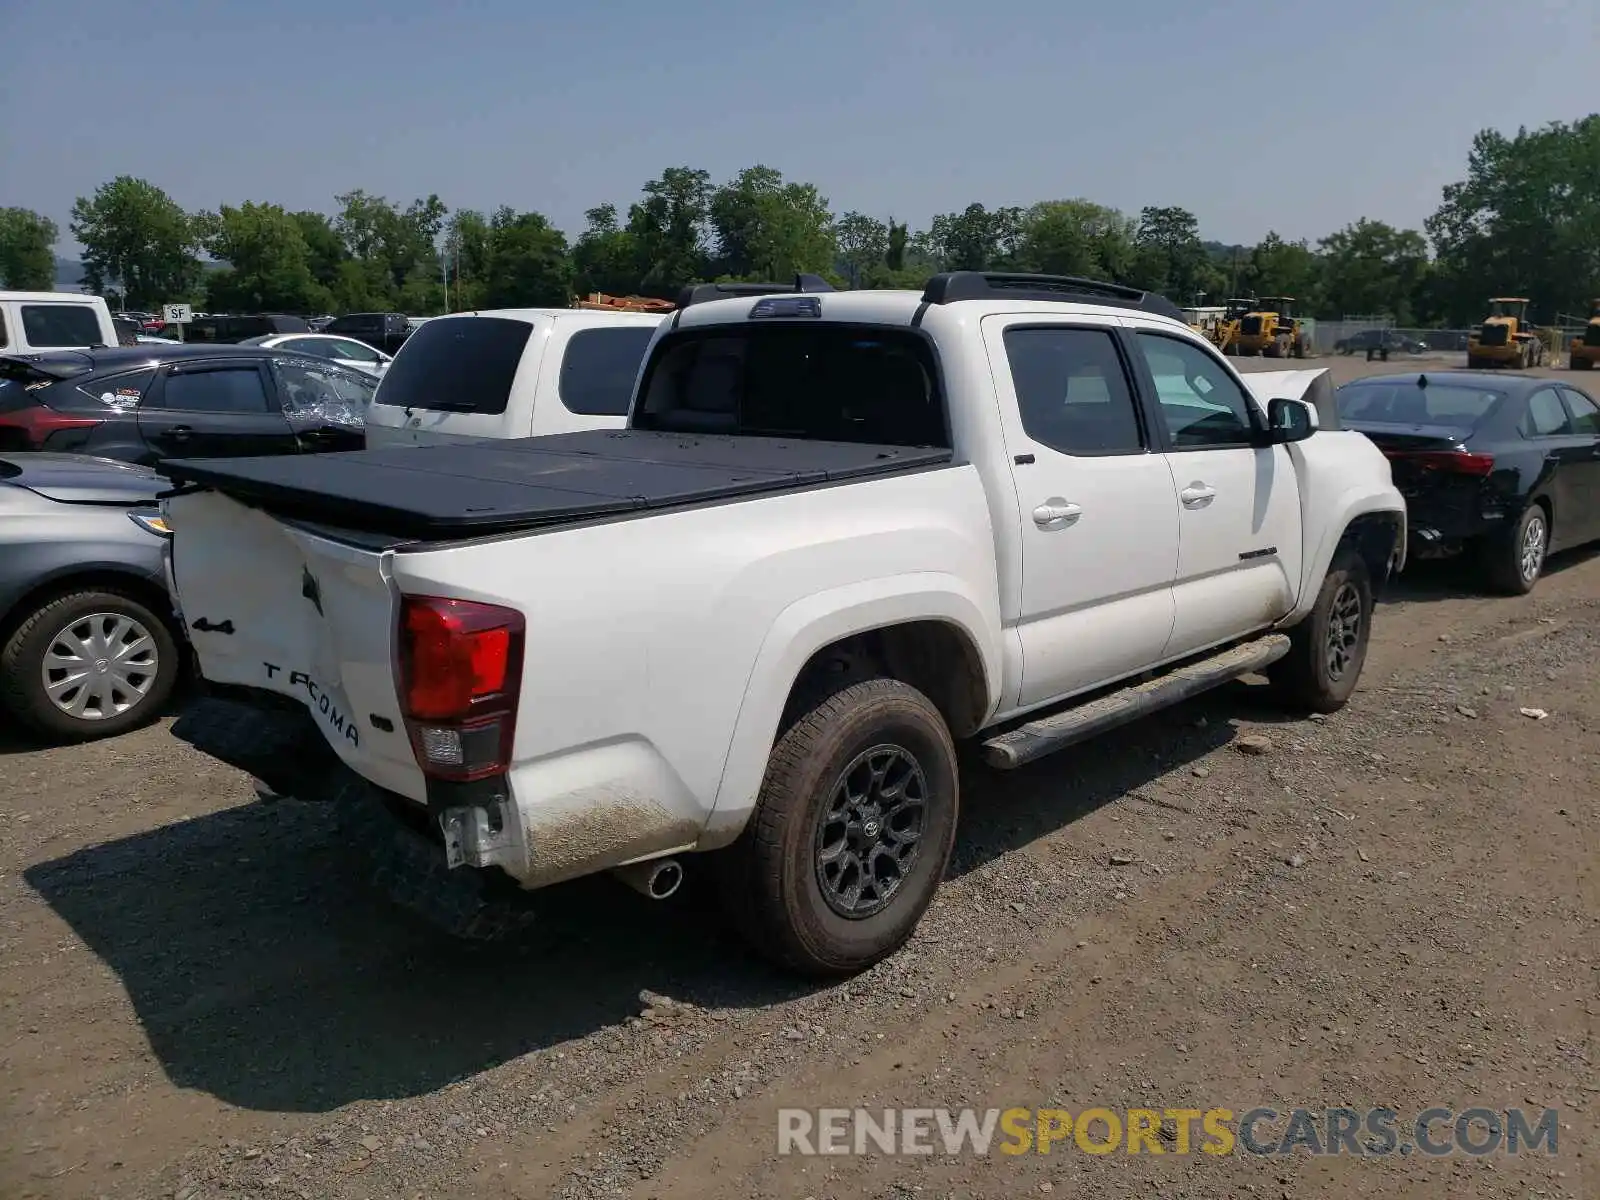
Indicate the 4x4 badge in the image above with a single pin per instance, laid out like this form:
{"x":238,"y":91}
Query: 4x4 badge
{"x":311,"y":589}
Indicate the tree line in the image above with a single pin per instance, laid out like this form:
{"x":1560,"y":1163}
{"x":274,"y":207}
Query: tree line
{"x":1525,"y":220}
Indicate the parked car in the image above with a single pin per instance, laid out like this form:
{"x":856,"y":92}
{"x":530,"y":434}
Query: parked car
{"x":347,"y":352}
{"x":149,"y":403}
{"x":89,"y":643}
{"x":1504,"y":466}
{"x":511,"y":373}
{"x":36,"y":321}
{"x":235,"y":329}
{"x":128,"y":332}
{"x":382,"y":331}
{"x":840,"y":531}
{"x":1380,"y":339}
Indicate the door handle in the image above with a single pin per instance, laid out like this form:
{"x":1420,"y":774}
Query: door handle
{"x":180,"y":433}
{"x":1056,"y":513}
{"x":1197,"y":495}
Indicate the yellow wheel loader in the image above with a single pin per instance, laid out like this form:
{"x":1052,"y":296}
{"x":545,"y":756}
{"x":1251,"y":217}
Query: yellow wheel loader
{"x":1506,"y":338}
{"x":1271,"y":328}
{"x":1584,"y":352}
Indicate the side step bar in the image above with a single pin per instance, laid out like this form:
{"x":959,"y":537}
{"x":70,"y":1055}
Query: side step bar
{"x":1007,"y":751}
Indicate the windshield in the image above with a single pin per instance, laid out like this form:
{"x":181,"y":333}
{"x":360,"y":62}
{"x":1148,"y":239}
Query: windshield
{"x":838,"y":383}
{"x":1402,"y":402}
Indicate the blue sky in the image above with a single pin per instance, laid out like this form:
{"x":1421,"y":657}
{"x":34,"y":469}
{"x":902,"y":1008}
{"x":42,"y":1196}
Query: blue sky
{"x":1294,"y":116}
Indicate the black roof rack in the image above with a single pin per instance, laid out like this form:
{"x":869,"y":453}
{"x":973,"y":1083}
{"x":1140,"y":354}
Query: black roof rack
{"x":952,"y":286}
{"x":704,"y":293}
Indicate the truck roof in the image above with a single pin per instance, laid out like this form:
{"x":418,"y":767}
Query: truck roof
{"x":893,"y":306}
{"x":622,"y":316}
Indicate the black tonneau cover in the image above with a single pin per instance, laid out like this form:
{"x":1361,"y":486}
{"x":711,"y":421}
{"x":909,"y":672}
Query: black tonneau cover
{"x":458,"y":490}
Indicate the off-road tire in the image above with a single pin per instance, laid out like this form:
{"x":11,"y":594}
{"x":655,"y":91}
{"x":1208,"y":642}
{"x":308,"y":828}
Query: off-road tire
{"x":1474,"y":363}
{"x":1501,"y":554}
{"x":22,"y":690}
{"x":769,"y":877}
{"x":1303,"y":679}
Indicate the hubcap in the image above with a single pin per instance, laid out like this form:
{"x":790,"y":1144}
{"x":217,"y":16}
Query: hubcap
{"x":99,"y":666}
{"x":1531,"y":559}
{"x":870,"y":834}
{"x":1344,"y":630}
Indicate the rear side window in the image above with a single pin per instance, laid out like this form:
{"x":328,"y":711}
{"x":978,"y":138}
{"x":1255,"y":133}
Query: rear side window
{"x":236,"y":390}
{"x":119,"y":391}
{"x":1072,"y":391}
{"x":1547,"y":416}
{"x":1585,"y":416}
{"x":457,"y":364}
{"x":61,"y":325}
{"x":599,"y":369}
{"x":4,"y":342}
{"x":838,"y":383}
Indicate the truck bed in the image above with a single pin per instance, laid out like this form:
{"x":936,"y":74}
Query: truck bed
{"x":445,"y":492}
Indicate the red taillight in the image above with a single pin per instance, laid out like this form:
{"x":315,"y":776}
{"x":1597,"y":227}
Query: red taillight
{"x":32,"y":425}
{"x":460,"y":671}
{"x":1458,"y":462}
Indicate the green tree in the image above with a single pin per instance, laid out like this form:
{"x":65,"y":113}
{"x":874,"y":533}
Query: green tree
{"x":1279,"y":268}
{"x":268,"y":262}
{"x":466,"y":258}
{"x":1169,"y":257}
{"x":895,"y":255}
{"x":669,"y":228}
{"x":605,"y":257}
{"x":135,"y":235}
{"x":768,"y":229}
{"x":1372,"y":267}
{"x":396,"y":250}
{"x":325,"y":250}
{"x":863,"y":246}
{"x":528,"y":263}
{"x":27,"y":250}
{"x":1077,"y":237}
{"x":1525,"y":221}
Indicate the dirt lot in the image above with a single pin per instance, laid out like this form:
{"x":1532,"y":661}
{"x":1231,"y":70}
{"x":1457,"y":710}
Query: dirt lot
{"x":1397,"y":906}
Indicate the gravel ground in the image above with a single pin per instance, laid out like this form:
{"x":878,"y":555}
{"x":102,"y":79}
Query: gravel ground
{"x":200,"y":996}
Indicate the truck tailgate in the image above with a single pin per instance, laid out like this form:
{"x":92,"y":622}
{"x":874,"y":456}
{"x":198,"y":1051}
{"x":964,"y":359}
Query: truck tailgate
{"x":271,"y":605}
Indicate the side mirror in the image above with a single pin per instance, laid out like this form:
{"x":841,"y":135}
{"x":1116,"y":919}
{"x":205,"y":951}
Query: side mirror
{"x":1290,"y":421}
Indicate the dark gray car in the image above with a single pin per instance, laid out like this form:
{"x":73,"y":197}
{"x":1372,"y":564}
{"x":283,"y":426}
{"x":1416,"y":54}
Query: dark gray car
{"x":89,"y":644}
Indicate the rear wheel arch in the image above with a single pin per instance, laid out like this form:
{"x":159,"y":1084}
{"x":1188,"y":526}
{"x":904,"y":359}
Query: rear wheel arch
{"x":937,"y":657}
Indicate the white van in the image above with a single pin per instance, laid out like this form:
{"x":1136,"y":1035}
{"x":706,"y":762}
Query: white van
{"x":510,"y":373}
{"x":35,"y":321}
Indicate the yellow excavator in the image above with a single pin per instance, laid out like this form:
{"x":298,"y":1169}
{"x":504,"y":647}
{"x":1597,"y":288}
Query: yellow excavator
{"x":1271,"y":328}
{"x":1585,"y":349}
{"x":1506,"y":338}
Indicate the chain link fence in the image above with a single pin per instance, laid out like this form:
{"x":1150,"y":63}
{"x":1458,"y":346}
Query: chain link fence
{"x":1354,"y":335}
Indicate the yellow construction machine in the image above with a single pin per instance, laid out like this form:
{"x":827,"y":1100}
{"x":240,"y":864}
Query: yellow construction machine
{"x":1506,"y":338}
{"x":1271,"y":328}
{"x":1224,"y":331}
{"x":1585,"y":348}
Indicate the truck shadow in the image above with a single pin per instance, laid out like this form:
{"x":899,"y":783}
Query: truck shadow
{"x":266,"y":971}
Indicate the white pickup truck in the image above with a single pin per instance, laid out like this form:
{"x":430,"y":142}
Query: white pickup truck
{"x":840,"y":532}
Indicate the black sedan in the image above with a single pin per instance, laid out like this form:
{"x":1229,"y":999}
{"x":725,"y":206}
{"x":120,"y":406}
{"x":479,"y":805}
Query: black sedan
{"x":1505,"y":466}
{"x":147,"y":403}
{"x":89,"y":643}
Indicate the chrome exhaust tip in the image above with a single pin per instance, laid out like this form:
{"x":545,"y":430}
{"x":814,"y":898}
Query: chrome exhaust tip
{"x":656,"y":878}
